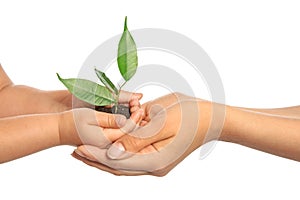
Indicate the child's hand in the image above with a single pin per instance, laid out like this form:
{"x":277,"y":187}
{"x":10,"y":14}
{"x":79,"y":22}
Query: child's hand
{"x":86,"y":126}
{"x":130,"y":99}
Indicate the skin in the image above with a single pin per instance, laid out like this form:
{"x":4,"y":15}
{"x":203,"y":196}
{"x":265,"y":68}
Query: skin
{"x":275,"y":131}
{"x":32,"y":120}
{"x":24,"y":129}
{"x":21,"y":100}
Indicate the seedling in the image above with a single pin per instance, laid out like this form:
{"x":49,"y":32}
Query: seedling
{"x":107,"y":95}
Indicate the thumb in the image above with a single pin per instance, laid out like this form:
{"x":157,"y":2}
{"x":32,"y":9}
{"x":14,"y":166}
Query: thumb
{"x":128,"y":146}
{"x":137,"y":95}
{"x":134,"y":142}
{"x":120,"y":149}
{"x":107,"y":120}
{"x":125,"y":96}
{"x":142,"y":137}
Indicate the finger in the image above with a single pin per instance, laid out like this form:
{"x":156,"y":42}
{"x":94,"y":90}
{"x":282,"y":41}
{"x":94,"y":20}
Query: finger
{"x":89,"y":125}
{"x":134,"y":102}
{"x":114,"y":134}
{"x":148,"y":149}
{"x":138,"y":96}
{"x":136,"y":165}
{"x":125,"y":97}
{"x":85,"y":155}
{"x":106,"y":168}
{"x":133,"y":121}
{"x":158,"y":146}
{"x":96,"y":154}
{"x":155,"y":109}
{"x":134,"y":142}
{"x":143,"y":123}
{"x":107,"y":120}
{"x":134,"y":109}
{"x":94,"y":164}
{"x":127,"y":146}
{"x":83,"y":152}
{"x":152,"y":111}
{"x":164,"y":101}
{"x":134,"y":105}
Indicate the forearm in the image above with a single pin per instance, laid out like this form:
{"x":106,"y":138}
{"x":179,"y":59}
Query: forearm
{"x":275,"y":134}
{"x":21,"y":100}
{"x":291,"y":112}
{"x":24,"y":135}
{"x":4,"y":79}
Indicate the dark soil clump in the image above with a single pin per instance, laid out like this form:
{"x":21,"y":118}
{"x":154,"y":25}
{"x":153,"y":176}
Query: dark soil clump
{"x":120,"y":109}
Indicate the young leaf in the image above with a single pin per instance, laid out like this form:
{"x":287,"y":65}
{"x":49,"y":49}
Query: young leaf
{"x":105,"y":80}
{"x":127,"y":54}
{"x":88,"y":91}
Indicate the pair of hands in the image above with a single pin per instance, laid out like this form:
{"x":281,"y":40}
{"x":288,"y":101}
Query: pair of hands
{"x":148,"y":142}
{"x":160,"y":121}
{"x":154,"y":140}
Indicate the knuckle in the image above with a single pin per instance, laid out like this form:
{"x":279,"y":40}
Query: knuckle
{"x":104,"y":144}
{"x":109,"y":121}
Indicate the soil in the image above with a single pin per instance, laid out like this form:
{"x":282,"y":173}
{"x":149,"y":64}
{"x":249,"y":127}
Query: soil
{"x":123,"y":110}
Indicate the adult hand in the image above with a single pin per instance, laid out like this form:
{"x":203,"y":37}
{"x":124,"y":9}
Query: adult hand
{"x":170,"y":135}
{"x":150,"y":108}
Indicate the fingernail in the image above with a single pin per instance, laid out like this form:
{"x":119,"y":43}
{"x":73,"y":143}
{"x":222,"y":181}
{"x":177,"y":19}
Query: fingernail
{"x":116,"y":151}
{"x":120,"y":120}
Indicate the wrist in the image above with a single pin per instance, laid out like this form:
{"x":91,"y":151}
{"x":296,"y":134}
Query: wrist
{"x":227,"y":132}
{"x":62,"y":100}
{"x":67,"y":129}
{"x":213,"y":122}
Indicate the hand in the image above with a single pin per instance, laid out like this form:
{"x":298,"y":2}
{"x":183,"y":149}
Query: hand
{"x":149,"y":108}
{"x":261,"y":129}
{"x":98,"y":128}
{"x":171,"y":129}
{"x":86,"y":126}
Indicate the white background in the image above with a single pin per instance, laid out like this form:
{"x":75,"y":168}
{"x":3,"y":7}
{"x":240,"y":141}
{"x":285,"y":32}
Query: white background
{"x":255,"y":46}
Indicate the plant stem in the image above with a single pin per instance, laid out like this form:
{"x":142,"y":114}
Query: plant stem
{"x":117,"y":102}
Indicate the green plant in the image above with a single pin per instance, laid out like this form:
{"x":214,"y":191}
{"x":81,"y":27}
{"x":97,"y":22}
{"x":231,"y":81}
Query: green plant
{"x":108,"y":94}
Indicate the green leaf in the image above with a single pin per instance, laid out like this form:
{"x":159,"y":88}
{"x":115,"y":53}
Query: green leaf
{"x":127,"y":54}
{"x":88,"y":91}
{"x":105,"y":80}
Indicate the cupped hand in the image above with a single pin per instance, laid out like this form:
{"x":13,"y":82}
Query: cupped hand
{"x":170,"y":132}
